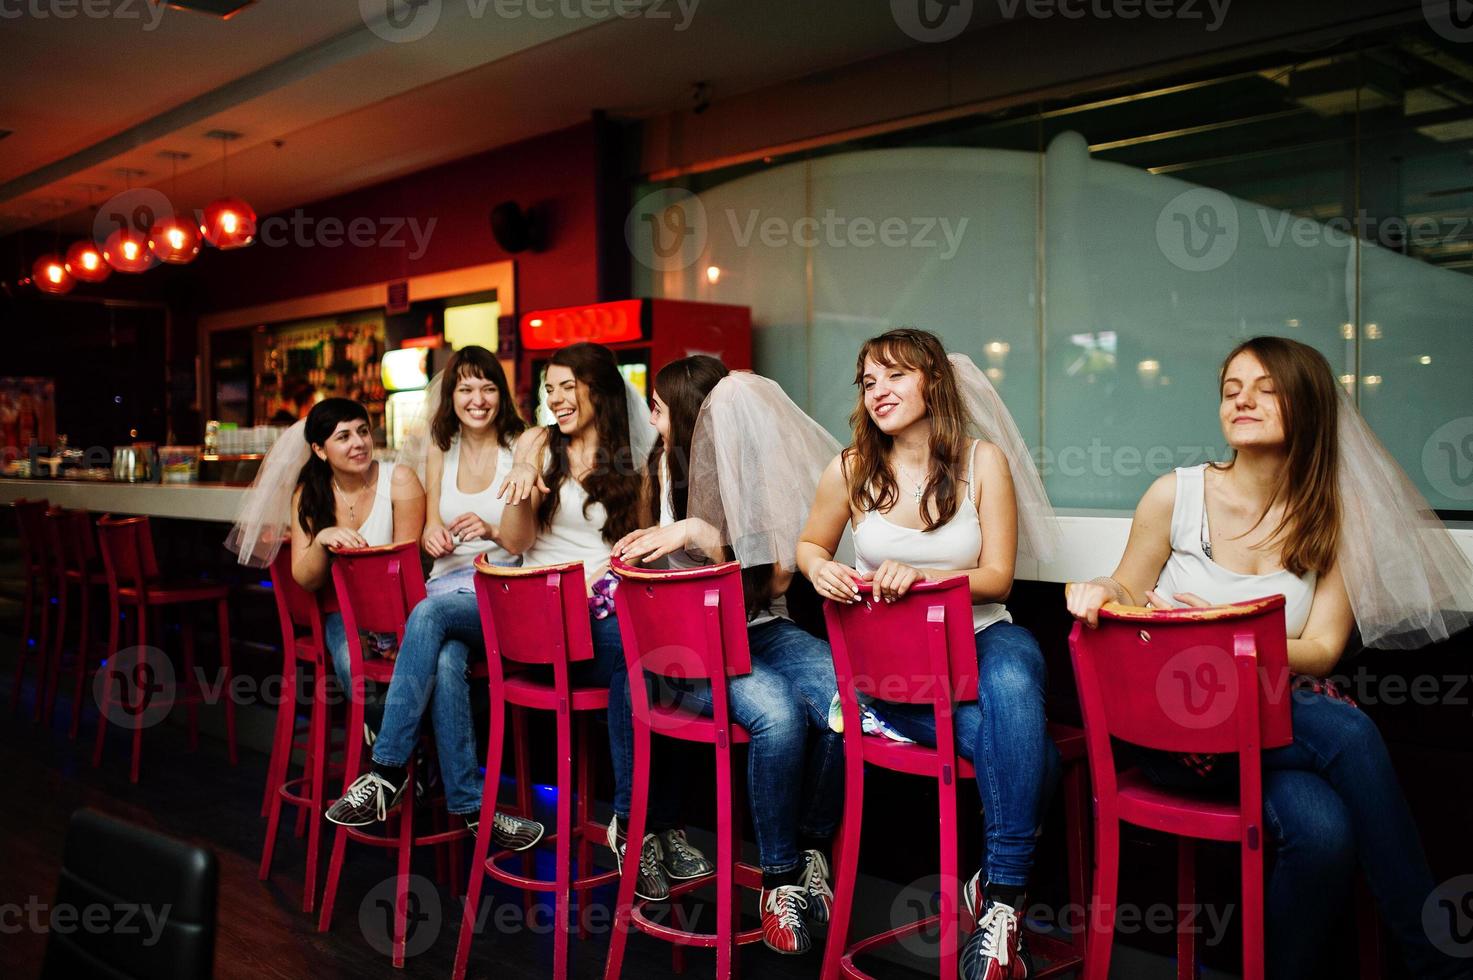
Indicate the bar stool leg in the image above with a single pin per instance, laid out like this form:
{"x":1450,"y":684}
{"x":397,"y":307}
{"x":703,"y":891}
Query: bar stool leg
{"x":524,"y":794}
{"x":84,"y":656}
{"x":639,"y":797}
{"x":227,"y":675}
{"x":581,"y":819}
{"x":143,"y":688}
{"x":319,"y":738}
{"x":1102,"y":902}
{"x":489,"y":790}
{"x":401,"y":880}
{"x":186,"y":628}
{"x":950,"y":923}
{"x":53,"y":659}
{"x":564,"y":849}
{"x":110,"y":675}
{"x":41,"y":652}
{"x":726,"y":908}
{"x":29,"y":608}
{"x":352,"y":765}
{"x":846,"y":858}
{"x":277,"y":771}
{"x":1186,"y":897}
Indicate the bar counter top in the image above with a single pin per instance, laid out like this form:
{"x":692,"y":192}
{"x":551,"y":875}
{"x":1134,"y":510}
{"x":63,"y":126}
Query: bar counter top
{"x":185,"y":501}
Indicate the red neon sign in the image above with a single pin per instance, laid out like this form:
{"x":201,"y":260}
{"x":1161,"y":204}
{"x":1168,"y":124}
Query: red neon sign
{"x":601,"y":323}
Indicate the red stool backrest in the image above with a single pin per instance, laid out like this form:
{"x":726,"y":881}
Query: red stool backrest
{"x":918,"y":650}
{"x":296,"y":608}
{"x":377,"y":588}
{"x":688,"y":623}
{"x":533,"y":614}
{"x":54,"y":526}
{"x":30,"y":517}
{"x":1184,"y":680}
{"x":127,"y":551}
{"x":81,"y":538}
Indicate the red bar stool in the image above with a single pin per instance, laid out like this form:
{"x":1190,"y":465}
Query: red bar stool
{"x":538,"y":617}
{"x":134,"y":582}
{"x":74,"y":543}
{"x":376,"y":589}
{"x":689,"y":624}
{"x":1171,"y":680}
{"x":300,"y":614}
{"x":36,"y":560}
{"x":921,"y":650}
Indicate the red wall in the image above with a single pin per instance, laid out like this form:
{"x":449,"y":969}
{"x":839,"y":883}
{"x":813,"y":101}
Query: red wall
{"x":556,"y":172}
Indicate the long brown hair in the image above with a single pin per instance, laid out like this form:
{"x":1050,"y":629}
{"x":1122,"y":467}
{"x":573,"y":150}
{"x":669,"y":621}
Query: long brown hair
{"x":683,"y":386}
{"x":872,"y":483}
{"x":1309,"y":531}
{"x":475,"y":362}
{"x":614,"y":480}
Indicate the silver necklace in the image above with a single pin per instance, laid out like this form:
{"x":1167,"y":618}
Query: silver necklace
{"x":352,"y":510}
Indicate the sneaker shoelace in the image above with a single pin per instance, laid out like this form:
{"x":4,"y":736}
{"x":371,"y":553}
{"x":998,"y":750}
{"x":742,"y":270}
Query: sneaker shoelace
{"x":786,"y":902}
{"x":508,"y":825}
{"x":371,"y":786}
{"x":676,"y":841}
{"x":816,"y":875}
{"x":999,"y":922}
{"x":649,"y":857}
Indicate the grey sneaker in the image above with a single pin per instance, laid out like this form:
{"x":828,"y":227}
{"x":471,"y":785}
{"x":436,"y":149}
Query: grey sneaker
{"x":681,"y":861}
{"x":815,"y":883}
{"x":651,"y":883}
{"x":370,"y":799}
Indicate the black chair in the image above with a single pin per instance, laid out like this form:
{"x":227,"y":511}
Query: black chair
{"x":131,"y":904}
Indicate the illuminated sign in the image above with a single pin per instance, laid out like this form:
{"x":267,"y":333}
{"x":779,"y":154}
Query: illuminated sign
{"x":601,"y":323}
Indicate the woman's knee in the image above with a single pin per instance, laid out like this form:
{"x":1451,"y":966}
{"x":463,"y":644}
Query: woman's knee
{"x":1311,"y":824}
{"x":1012,"y":669}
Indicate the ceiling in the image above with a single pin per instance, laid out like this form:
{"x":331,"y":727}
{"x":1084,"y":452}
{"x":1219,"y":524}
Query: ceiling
{"x":329,"y":96}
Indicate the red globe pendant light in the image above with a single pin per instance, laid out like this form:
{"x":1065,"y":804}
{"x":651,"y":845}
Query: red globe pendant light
{"x":51,"y":275}
{"x":174,"y":239}
{"x":127,"y":251}
{"x":229,"y":223}
{"x":85,"y":262}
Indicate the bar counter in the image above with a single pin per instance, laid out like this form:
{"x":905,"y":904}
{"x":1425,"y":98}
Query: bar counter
{"x":183,"y":501}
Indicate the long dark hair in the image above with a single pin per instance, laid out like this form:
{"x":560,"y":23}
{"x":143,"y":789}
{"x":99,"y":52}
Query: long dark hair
{"x":475,"y":362}
{"x":871,"y":479}
{"x":683,"y":386}
{"x":1308,"y":534}
{"x":614,"y":480}
{"x":315,"y":508}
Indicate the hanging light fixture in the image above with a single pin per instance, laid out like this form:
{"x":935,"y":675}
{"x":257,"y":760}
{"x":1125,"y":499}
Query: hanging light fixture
{"x":50,"y":275}
{"x":174,"y":238}
{"x":84,"y":259}
{"x":126,"y":249}
{"x":229,"y":221}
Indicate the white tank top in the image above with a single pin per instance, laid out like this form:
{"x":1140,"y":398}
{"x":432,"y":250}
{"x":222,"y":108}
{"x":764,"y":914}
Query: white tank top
{"x":1189,"y":569}
{"x":485,"y":505}
{"x":955,"y":545}
{"x":777,"y":609}
{"x":571,"y":536}
{"x":378,"y":527}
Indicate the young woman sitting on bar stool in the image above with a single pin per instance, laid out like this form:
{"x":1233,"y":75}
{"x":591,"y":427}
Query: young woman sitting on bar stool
{"x":463,"y":440}
{"x":711,"y":423}
{"x":929,"y":500}
{"x":1311,"y":506}
{"x":574,"y":490}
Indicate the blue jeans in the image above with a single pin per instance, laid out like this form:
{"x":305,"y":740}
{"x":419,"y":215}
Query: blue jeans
{"x":1005,"y":735}
{"x":430,"y":672}
{"x":1331,"y":800}
{"x":795,"y":763}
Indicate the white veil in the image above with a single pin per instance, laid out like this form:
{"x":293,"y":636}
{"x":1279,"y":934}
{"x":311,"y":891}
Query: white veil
{"x":756,"y":459}
{"x":1408,"y":581}
{"x":264,"y":521}
{"x":414,"y":445}
{"x":988,"y":418}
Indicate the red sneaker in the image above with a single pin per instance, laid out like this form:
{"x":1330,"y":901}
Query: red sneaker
{"x":783,"y":929}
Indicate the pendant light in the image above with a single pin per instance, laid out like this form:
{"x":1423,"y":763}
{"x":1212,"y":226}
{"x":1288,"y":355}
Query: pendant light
{"x":84,"y":259}
{"x":49,"y":271}
{"x":126,"y":249}
{"x":174,"y":238}
{"x":229,"y":221}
